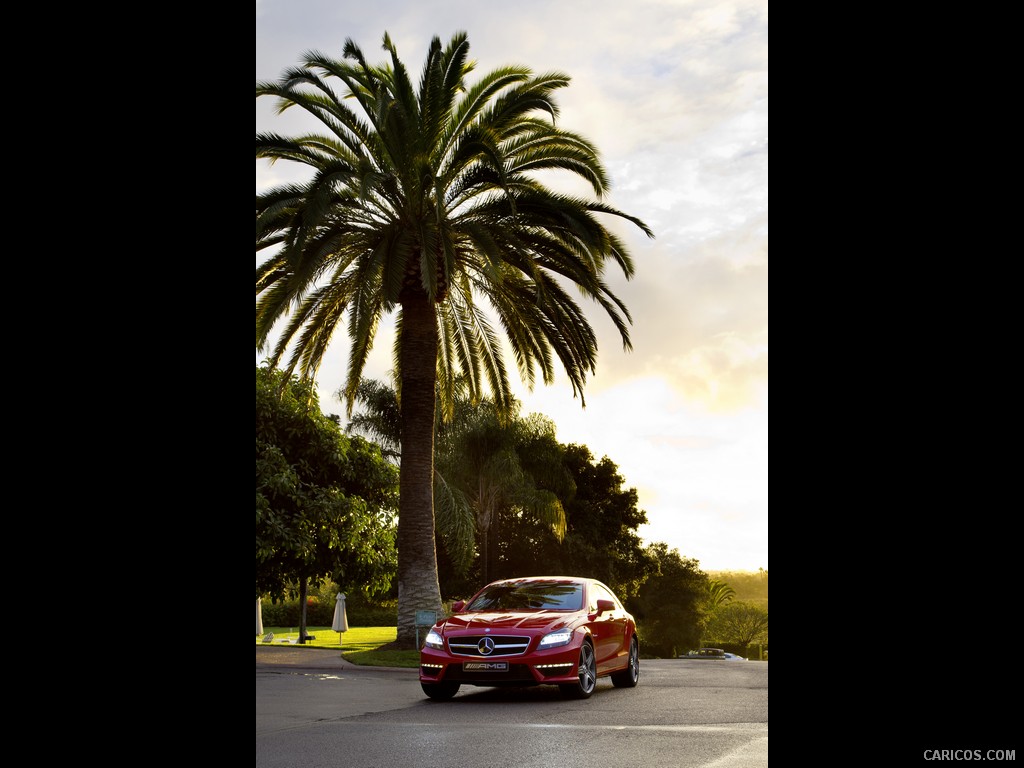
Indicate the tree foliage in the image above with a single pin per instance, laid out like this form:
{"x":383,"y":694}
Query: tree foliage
{"x":434,"y":190}
{"x":325,"y":503}
{"x":380,"y":417}
{"x":739,"y":622}
{"x":670,"y":607}
{"x":491,"y":463}
{"x":496,"y":465}
{"x":719,"y":593}
{"x":602,"y":519}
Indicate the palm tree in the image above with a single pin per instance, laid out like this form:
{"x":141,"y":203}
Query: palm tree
{"x":380,"y":419}
{"x":494,"y":463}
{"x":423,"y":200}
{"x":719,"y":593}
{"x":487,"y":461}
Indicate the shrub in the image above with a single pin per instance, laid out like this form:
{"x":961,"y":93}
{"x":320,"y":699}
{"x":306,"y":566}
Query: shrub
{"x":661,"y":639}
{"x":360,"y":612}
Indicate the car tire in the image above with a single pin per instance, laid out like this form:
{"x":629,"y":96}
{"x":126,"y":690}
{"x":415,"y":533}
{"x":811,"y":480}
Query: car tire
{"x":630,"y":676}
{"x":586,"y":679}
{"x":440,"y":691}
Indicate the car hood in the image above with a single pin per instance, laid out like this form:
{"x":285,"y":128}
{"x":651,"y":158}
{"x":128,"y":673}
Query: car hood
{"x":540,"y":621}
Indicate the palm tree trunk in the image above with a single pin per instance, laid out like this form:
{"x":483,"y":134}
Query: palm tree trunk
{"x":483,"y":522}
{"x":485,"y":563}
{"x":418,"y":588}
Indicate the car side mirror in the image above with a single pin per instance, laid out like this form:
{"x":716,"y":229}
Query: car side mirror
{"x":604,"y":605}
{"x":458,"y":605}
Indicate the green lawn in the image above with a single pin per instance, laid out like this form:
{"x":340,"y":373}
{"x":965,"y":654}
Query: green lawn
{"x":359,"y":645}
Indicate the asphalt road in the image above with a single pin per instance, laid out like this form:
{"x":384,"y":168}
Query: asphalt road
{"x":313,"y":709}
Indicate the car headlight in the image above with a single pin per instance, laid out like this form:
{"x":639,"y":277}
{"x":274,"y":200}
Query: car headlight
{"x":434,"y":640}
{"x":556,"y":638}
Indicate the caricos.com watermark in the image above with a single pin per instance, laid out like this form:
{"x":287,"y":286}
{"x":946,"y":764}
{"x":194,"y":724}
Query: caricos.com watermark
{"x":970,"y":754}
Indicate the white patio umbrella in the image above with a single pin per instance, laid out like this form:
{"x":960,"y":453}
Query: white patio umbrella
{"x":259,"y":616}
{"x":340,"y":623}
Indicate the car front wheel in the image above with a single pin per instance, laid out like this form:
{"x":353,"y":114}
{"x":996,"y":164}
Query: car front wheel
{"x":630,"y":676}
{"x":440,"y":691}
{"x":587,"y":675}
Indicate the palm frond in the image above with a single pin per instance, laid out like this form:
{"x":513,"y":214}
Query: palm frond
{"x":455,"y":523}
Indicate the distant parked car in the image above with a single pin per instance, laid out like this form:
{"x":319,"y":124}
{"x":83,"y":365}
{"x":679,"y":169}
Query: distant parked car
{"x":712,"y":653}
{"x":555,"y":630}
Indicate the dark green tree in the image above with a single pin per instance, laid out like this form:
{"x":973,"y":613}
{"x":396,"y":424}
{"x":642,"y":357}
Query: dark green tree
{"x":499,"y":464}
{"x":739,"y":622}
{"x":605,"y":519}
{"x":325,"y":503}
{"x":380,"y":417}
{"x":602,"y":519}
{"x":670,"y":607}
{"x":425,"y":200}
{"x":490,"y":463}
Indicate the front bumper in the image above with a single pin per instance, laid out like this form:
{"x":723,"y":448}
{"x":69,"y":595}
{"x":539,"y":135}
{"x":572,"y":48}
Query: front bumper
{"x":557,"y":665}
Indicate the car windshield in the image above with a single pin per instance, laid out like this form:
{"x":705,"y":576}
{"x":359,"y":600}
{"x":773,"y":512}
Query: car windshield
{"x":539,"y":596}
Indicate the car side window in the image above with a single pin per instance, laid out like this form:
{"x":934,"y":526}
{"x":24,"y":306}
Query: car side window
{"x":600,"y":593}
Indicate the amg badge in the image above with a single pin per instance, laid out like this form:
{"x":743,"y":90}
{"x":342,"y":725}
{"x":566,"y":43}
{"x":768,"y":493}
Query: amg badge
{"x":485,"y":666}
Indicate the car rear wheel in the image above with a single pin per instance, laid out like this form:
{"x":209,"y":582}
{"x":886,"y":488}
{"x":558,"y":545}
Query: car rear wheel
{"x":630,"y":676}
{"x":440,"y":691}
{"x":587,"y":677}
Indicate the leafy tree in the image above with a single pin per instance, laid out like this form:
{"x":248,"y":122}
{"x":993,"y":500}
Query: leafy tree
{"x":605,"y":519}
{"x":670,"y":606}
{"x":425,"y":200}
{"x":324,"y":502}
{"x":739,"y":622}
{"x":601,"y":538}
{"x":489,"y":463}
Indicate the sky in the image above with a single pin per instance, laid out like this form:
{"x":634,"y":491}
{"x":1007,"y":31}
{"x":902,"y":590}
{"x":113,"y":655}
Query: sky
{"x":674,"y":94}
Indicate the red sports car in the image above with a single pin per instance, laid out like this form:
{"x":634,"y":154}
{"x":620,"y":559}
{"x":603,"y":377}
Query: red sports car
{"x":544,"y":630}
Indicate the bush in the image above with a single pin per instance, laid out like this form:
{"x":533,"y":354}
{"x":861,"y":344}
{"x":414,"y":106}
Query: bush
{"x":660,"y":639}
{"x":360,"y":612}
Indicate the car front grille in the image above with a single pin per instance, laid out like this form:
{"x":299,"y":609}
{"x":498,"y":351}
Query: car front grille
{"x":477,"y":645}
